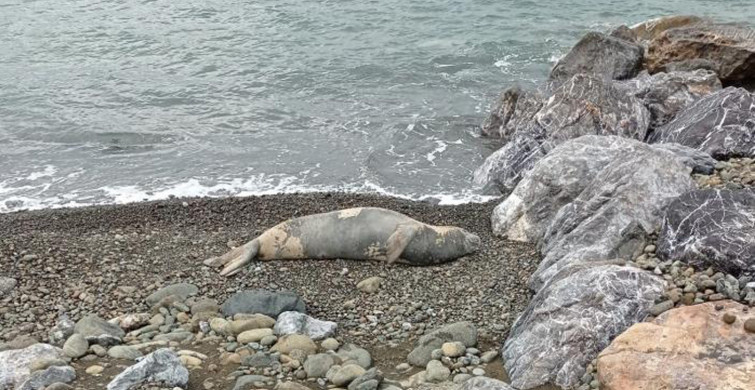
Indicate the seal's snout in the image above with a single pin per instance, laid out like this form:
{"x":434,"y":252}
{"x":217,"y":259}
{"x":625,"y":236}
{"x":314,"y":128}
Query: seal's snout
{"x":472,"y":242}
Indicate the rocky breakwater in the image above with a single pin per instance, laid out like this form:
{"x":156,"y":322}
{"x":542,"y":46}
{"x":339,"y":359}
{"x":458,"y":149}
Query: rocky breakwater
{"x":624,"y":232}
{"x":636,"y":83}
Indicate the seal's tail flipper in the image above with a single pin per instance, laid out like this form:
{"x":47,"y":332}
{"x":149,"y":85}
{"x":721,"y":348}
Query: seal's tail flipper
{"x":398,"y":241}
{"x":236,"y":258}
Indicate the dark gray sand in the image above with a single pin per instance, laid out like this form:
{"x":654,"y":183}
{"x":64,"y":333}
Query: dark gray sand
{"x":79,"y":260}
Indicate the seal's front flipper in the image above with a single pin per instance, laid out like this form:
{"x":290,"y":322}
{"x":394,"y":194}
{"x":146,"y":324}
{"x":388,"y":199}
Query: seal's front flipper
{"x":398,"y":241}
{"x":245,"y":255}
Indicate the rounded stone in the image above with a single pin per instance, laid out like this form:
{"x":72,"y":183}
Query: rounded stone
{"x":370,"y":285}
{"x":729,"y":318}
{"x":453,"y":349}
{"x":290,"y":342}
{"x":95,"y":370}
{"x":437,"y":372}
{"x":346,"y":374}
{"x":76,"y":346}
{"x":330,"y":344}
{"x":124,"y":352}
{"x":253,"y":335}
{"x":750,"y":325}
{"x":220,"y":326}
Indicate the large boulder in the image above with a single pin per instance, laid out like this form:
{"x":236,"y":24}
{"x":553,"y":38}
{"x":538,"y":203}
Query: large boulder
{"x":602,"y":56}
{"x":666,"y":94}
{"x":43,"y":378}
{"x":564,"y":173}
{"x":262,"y":302}
{"x":613,"y":215}
{"x":583,"y":105}
{"x":690,"y":347}
{"x":711,"y":227}
{"x":651,"y":29}
{"x":729,"y":49}
{"x":722,"y":124}
{"x":15,"y":363}
{"x":572,"y":318}
{"x":162,"y":366}
{"x":513,"y":110}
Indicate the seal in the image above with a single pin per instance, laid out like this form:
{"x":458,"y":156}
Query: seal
{"x":364,"y":233}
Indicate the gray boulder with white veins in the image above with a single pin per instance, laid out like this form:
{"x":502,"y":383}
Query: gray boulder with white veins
{"x":14,"y":364}
{"x":602,"y":56}
{"x":561,"y":176}
{"x":572,"y":318}
{"x":612,"y":216}
{"x":711,"y":227}
{"x":583,"y":105}
{"x":161,"y":366}
{"x":721,"y":124}
{"x":666,"y":94}
{"x":484,"y":383}
{"x":290,"y":322}
{"x":513,"y":110}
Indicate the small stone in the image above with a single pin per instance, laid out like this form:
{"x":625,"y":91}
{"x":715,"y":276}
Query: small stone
{"x":370,"y":285}
{"x":253,"y":335}
{"x":268,"y":340}
{"x":478,"y":372}
{"x":453,"y":349}
{"x":288,"y":343}
{"x":180,"y":290}
{"x":437,"y":372}
{"x":661,"y":307}
{"x":124,"y":352}
{"x":316,"y":366}
{"x":489,"y":356}
{"x":729,"y":318}
{"x":220,"y":326}
{"x":330,"y":344}
{"x":76,"y":346}
{"x":95,"y":370}
{"x":190,"y":361}
{"x":346,"y":374}
{"x":750,"y":325}
{"x":461,"y":378}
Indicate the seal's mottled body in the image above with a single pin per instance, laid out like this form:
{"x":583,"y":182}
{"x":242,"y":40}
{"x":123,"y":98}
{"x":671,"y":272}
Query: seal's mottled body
{"x":358,"y":234}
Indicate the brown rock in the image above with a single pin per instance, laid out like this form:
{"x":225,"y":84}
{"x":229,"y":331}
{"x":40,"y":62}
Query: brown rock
{"x":729,"y":318}
{"x":290,"y":342}
{"x":750,"y":325}
{"x":726,"y":49}
{"x":679,"y":350}
{"x":651,"y":29}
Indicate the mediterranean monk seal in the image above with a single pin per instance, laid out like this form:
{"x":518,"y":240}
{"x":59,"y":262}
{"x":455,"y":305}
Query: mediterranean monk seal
{"x":364,"y":233}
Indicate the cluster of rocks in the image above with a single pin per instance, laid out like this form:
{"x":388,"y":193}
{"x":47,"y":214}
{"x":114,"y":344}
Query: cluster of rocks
{"x":255,"y":339}
{"x":597,"y":166}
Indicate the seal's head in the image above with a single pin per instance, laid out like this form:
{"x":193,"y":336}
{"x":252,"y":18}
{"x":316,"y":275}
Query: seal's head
{"x":472,"y":242}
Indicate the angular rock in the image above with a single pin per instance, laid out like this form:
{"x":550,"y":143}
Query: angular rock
{"x":162,"y":366}
{"x":730,"y":48}
{"x":98,"y":331}
{"x":463,"y":332}
{"x":602,"y":56}
{"x":583,"y":105}
{"x":370,"y":380}
{"x":651,"y":29}
{"x":62,"y":330}
{"x":575,"y":172}
{"x":262,"y":302}
{"x":294,"y":322}
{"x":721,"y":124}
{"x":572,"y":318}
{"x":179,"y":290}
{"x":483,"y":383}
{"x":685,"y":348}
{"x":711,"y":228}
{"x":504,"y":168}
{"x":258,"y":360}
{"x":612,"y":217}
{"x":699,"y":161}
{"x":48,"y":376}
{"x":7,"y":285}
{"x":666,"y":94}
{"x":513,"y":110}
{"x":15,"y":363}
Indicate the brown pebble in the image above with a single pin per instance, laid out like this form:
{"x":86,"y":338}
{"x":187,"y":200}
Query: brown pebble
{"x":729,"y":318}
{"x":750,"y":325}
{"x":719,"y":307}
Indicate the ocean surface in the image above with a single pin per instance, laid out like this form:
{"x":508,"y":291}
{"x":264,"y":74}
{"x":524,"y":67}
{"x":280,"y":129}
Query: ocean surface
{"x":118,"y":101}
